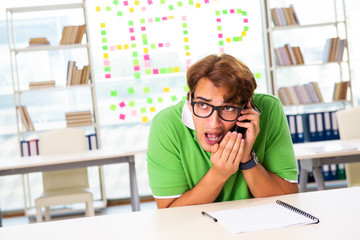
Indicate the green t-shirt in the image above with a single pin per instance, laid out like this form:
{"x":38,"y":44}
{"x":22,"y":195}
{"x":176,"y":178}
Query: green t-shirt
{"x":176,"y":162}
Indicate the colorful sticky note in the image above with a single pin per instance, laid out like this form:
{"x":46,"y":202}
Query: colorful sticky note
{"x":174,"y":98}
{"x":160,"y":100}
{"x":131,"y":90}
{"x":98,"y":9}
{"x":122,"y":116}
{"x":149,"y":100}
{"x":257,"y":75}
{"x":108,"y":8}
{"x":186,"y":88}
{"x":112,"y":107}
{"x":122,"y":104}
{"x":166,"y":89}
{"x":145,"y":119}
{"x":131,"y":103}
{"x":133,"y":113}
{"x":143,"y":110}
{"x":113,"y":93}
{"x":102,"y":25}
{"x":146,"y":89}
{"x":152,"y":109}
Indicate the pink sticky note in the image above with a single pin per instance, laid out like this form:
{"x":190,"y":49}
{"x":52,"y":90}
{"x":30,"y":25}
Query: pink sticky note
{"x":150,"y":20}
{"x":232,"y":11}
{"x":164,"y":18}
{"x":149,"y":2}
{"x":136,"y":68}
{"x":206,"y":1}
{"x":146,"y":57}
{"x":155,"y":71}
{"x":188,"y":61}
{"x":106,"y":62}
{"x":133,"y":113}
{"x":218,"y":19}
{"x":161,"y":44}
{"x":220,"y":35}
{"x":184,"y":18}
{"x":112,"y":48}
{"x":122,"y":104}
{"x":143,"y":9}
{"x":245,"y":20}
{"x":167,"y":44}
{"x":108,"y":75}
{"x":222,"y":50}
{"x":131,"y":30}
{"x":143,"y":28}
{"x":132,"y":38}
{"x":147,"y":64}
{"x":126,"y":3}
{"x":122,"y":116}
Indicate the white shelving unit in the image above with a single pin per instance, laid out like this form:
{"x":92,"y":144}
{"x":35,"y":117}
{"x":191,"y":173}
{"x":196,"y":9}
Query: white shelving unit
{"x":339,"y":23}
{"x":20,"y":89}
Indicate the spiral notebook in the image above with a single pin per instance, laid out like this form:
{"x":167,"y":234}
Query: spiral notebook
{"x":264,"y":217}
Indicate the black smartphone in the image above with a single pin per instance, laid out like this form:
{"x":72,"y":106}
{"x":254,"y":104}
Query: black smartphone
{"x":240,"y":129}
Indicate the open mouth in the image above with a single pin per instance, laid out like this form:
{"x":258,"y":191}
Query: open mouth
{"x":213,"y":138}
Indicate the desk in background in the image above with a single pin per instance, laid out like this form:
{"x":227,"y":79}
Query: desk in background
{"x":338,"y":211}
{"x":313,"y":155}
{"x":21,"y":165}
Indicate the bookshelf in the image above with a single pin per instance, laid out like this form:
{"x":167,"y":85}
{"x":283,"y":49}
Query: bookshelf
{"x":280,"y":32}
{"x":53,"y":99}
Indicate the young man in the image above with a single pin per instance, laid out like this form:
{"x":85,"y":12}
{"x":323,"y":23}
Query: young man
{"x":194,"y":156}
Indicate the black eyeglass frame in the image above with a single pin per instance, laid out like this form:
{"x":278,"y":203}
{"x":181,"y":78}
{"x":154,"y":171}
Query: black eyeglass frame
{"x":213,"y":108}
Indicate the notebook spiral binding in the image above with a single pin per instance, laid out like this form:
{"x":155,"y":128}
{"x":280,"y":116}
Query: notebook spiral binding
{"x":295,"y":209}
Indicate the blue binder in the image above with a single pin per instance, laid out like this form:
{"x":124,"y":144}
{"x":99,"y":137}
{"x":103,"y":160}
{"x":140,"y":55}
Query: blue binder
{"x":328,"y":134}
{"x":300,"y":135}
{"x":311,"y":127}
{"x":334,"y":126}
{"x":292,"y":127}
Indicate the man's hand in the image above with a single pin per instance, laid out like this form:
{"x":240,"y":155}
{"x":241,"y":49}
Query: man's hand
{"x":226,"y":156}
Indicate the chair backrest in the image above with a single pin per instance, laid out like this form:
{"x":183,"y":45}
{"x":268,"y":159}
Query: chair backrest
{"x":348,"y":124}
{"x":63,"y":141}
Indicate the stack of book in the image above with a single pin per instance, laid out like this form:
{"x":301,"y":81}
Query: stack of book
{"x":38,"y":42}
{"x":288,"y":55}
{"x":334,"y":50}
{"x":72,"y":34}
{"x":41,"y":84}
{"x":76,"y":76}
{"x":340,"y":91}
{"x":76,"y":119}
{"x":301,"y":94}
{"x":284,"y":16}
{"x":25,"y":118}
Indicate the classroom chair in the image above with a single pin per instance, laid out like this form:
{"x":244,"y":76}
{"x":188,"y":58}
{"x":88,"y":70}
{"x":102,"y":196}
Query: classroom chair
{"x":348,"y":124}
{"x":65,"y":186}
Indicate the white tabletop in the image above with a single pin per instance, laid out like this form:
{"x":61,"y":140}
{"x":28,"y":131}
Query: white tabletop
{"x":338,"y":211}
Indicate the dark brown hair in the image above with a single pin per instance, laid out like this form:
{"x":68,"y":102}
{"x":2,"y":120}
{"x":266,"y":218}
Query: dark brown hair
{"x":224,"y":71}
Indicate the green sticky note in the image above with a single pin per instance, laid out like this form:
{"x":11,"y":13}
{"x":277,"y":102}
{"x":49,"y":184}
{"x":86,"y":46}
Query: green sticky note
{"x":137,"y":75}
{"x":244,"y":13}
{"x":185,"y":32}
{"x":153,"y":46}
{"x":116,"y":2}
{"x":136,"y":62}
{"x":237,"y":39}
{"x":162,"y":1}
{"x":225,"y":12}
{"x":131,"y":90}
{"x":119,"y":13}
{"x":103,"y":32}
{"x":162,"y":70}
{"x":112,"y":107}
{"x":160,"y":99}
{"x":142,"y":21}
{"x":107,"y":69}
{"x":105,"y":47}
{"x":169,"y":70}
{"x":187,"y":47}
{"x":143,"y":36}
{"x":217,"y":13}
{"x":174,"y":98}
{"x":184,"y":25}
{"x":143,"y":110}
{"x":145,"y":42}
{"x":171,"y":7}
{"x":131,"y":23}
{"x":221,"y":43}
{"x":179,"y":4}
{"x":104,"y":40}
{"x":157,"y":19}
{"x":148,"y":71}
{"x":238,"y":10}
{"x":133,"y":45}
{"x":257,"y":75}
{"x":135,"y":54}
{"x":186,"y":88}
{"x":246,"y":28}
{"x":149,"y":100}
{"x":113,"y":93}
{"x":108,"y":8}
{"x":131,"y":103}
{"x":146,"y":89}
{"x":219,"y":28}
{"x":191,"y":2}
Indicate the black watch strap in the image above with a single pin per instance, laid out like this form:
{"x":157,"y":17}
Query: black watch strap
{"x":251,"y":163}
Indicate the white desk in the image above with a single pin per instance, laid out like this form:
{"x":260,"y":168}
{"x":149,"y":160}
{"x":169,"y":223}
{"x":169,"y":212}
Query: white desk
{"x":100,"y":157}
{"x":313,"y":155}
{"x":338,"y":211}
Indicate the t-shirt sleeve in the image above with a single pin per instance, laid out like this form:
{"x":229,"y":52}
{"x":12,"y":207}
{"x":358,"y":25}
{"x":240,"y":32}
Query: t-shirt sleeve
{"x":166,"y":174}
{"x":279,"y":156}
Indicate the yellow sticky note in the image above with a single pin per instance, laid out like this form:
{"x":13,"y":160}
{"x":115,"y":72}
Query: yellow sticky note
{"x":106,"y":55}
{"x":145,"y":119}
{"x":118,"y":47}
{"x":102,"y":25}
{"x":243,"y":33}
{"x":131,"y":10}
{"x":152,"y":109}
{"x":228,"y":40}
{"x":198,"y":5}
{"x":137,"y":2}
{"x":166,"y":89}
{"x":126,"y":46}
{"x":98,"y":9}
{"x":186,"y":39}
{"x":146,"y":50}
{"x":171,"y":17}
{"x":176,"y":69}
{"x":187,"y":53}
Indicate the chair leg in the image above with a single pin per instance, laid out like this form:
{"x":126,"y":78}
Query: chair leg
{"x":90,"y":209}
{"x":47,"y":213}
{"x":38,"y":214}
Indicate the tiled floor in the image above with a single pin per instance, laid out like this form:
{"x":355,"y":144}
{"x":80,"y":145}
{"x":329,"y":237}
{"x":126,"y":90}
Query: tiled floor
{"x":13,"y":221}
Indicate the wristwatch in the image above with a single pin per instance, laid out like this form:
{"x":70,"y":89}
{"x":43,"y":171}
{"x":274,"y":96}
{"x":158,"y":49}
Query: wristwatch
{"x":251,"y":163}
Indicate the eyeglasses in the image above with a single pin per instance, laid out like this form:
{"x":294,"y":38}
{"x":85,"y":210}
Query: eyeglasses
{"x":226,"y":113}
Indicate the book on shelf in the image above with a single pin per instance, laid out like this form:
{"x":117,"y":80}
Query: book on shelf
{"x":284,"y":16}
{"x":340,"y":91}
{"x":300,"y":94}
{"x":334,"y":49}
{"x":76,"y":76}
{"x":72,"y":34}
{"x":38,"y":41}
{"x":80,"y":118}
{"x":25,"y":118}
{"x":41,"y":84}
{"x":288,"y":55}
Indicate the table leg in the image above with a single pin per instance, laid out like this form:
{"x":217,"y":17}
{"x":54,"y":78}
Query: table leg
{"x":135,"y":199}
{"x":303,"y":180}
{"x":0,"y":219}
{"x":319,"y":178}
